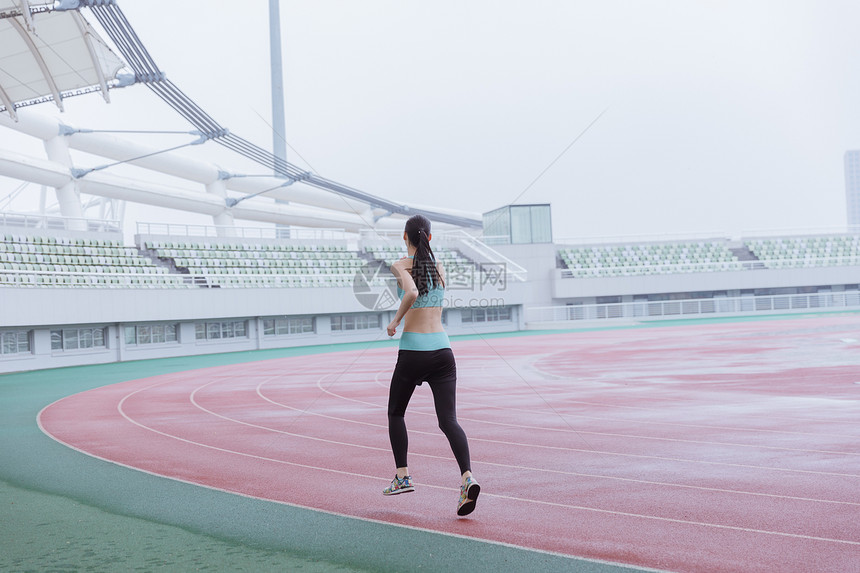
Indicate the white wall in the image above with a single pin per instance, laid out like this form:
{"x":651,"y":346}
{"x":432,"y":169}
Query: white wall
{"x":116,"y":350}
{"x":572,"y":288}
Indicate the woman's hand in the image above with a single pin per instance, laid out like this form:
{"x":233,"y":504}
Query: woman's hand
{"x":392,"y":327}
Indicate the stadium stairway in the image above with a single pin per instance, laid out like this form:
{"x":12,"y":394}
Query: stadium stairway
{"x":742,"y":252}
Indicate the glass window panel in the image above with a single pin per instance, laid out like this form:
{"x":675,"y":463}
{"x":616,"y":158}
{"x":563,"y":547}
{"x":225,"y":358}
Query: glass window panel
{"x":99,"y":337}
{"x":130,"y":335}
{"x":70,"y":339}
{"x":23,"y":341}
{"x":144,"y":335}
{"x":541,"y":224}
{"x":56,"y":340}
{"x":85,"y":338}
{"x":239,"y":328}
{"x":200,"y":331}
{"x":521,"y":225}
{"x":268,"y":327}
{"x":170,"y":333}
{"x":497,"y":225}
{"x":213,"y":330}
{"x":336,"y":323}
{"x":158,"y":333}
{"x":283,"y":326}
{"x":6,"y":338}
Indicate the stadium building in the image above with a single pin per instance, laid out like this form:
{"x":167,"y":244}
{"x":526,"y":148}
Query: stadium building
{"x":75,"y":291}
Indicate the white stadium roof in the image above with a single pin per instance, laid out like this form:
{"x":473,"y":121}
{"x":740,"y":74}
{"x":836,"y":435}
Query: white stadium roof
{"x":56,"y":55}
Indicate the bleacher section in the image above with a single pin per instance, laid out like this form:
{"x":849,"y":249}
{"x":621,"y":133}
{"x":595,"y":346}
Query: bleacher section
{"x":225,"y":264}
{"x":49,"y":261}
{"x":648,"y":258}
{"x":42,"y":260}
{"x":53,"y":261}
{"x":792,"y":252}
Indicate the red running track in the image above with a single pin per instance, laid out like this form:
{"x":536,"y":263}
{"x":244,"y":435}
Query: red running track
{"x":715,"y":447}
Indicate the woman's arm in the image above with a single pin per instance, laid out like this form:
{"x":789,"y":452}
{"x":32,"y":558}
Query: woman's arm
{"x":410,"y":293}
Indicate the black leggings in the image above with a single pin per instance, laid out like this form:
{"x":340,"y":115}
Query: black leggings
{"x":438,"y":368}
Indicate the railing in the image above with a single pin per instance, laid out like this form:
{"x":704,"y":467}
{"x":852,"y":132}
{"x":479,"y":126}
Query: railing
{"x":488,"y":255}
{"x":226,"y":231}
{"x":372,"y":237}
{"x":67,"y":279}
{"x":715,"y":266}
{"x":471,"y":247}
{"x":58,"y":223}
{"x":708,"y":236}
{"x":789,"y":233}
{"x":705,"y":237}
{"x":656,"y":310}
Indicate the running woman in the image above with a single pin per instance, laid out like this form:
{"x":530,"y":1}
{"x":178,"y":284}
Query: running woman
{"x":425,"y":355}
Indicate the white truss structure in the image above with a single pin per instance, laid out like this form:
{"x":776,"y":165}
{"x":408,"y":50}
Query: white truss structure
{"x":48,"y":51}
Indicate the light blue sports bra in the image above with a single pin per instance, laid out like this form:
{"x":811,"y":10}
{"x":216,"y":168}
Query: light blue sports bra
{"x":435,"y":297}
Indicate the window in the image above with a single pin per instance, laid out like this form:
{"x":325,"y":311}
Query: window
{"x":151,"y":334}
{"x":491,"y":314}
{"x":344,"y":322}
{"x":77,"y":339}
{"x":219,"y":330}
{"x":287,"y":325}
{"x":14,"y":342}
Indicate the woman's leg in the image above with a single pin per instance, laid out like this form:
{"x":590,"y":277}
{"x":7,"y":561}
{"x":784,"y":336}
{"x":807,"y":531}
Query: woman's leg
{"x":444,"y":386}
{"x":399,"y":394}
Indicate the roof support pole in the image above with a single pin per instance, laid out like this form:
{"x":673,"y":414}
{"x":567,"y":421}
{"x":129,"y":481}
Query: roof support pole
{"x":223,"y":220}
{"x":279,"y":136}
{"x":10,"y":105}
{"x":68,"y":196}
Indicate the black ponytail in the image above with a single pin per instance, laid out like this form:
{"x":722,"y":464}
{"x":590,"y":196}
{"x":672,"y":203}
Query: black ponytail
{"x":424,"y":271}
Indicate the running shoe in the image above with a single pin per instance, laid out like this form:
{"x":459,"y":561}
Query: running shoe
{"x":468,"y":495}
{"x":399,"y":485}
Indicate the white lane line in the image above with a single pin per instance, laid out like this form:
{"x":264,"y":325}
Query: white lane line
{"x":270,"y":429}
{"x":649,"y":409}
{"x":651,"y":422}
{"x":545,"y":470}
{"x":511,"y":498}
{"x":552,"y":376}
{"x":497,"y":496}
{"x":656,"y":438}
{"x":593,"y":451}
{"x":330,"y":512}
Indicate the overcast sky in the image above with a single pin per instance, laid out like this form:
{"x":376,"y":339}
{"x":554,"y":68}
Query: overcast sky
{"x":723,"y":117}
